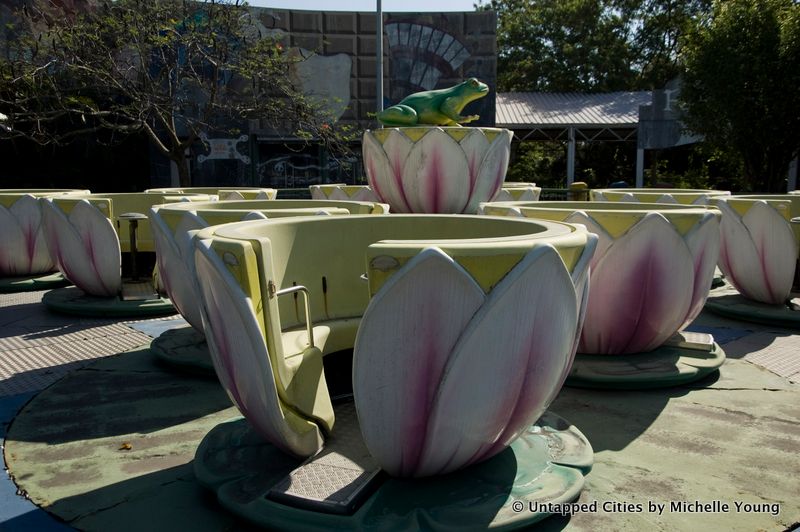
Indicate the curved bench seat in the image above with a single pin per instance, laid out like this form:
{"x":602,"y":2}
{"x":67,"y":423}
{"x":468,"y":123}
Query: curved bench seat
{"x":174,"y":224}
{"x":482,"y":298}
{"x":86,"y":235}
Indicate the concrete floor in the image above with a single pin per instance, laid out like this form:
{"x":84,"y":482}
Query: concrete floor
{"x":109,"y":446}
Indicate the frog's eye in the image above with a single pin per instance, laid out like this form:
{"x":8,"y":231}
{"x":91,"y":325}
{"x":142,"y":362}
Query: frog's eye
{"x":473,"y":82}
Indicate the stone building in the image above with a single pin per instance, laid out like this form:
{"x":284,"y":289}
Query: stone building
{"x":422,"y":51}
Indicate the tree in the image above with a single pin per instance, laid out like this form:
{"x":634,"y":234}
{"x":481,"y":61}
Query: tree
{"x":740,"y":85}
{"x":590,"y":45}
{"x":171,"y":69}
{"x":561,"y":45}
{"x":660,"y":26}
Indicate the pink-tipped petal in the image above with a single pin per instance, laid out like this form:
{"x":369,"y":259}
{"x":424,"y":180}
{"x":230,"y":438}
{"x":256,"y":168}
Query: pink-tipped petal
{"x":405,"y":338}
{"x":757,"y":252}
{"x":776,"y":248}
{"x":492,"y":170}
{"x":639,"y":294}
{"x":85,"y":246}
{"x":384,"y":166}
{"x":505,"y":365}
{"x":703,"y":243}
{"x":475,"y":146}
{"x":35,"y":257}
{"x":175,"y":255}
{"x":604,"y":239}
{"x":738,"y":258}
{"x":241,"y":359}
{"x":436,"y":177}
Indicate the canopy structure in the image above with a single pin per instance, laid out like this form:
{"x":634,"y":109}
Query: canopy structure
{"x":572,"y":117}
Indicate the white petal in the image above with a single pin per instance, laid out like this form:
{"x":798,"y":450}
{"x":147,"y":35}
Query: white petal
{"x":492,"y":171}
{"x":384,"y":166}
{"x":175,"y":262}
{"x":505,"y":365}
{"x":703,"y":243}
{"x":405,"y":338}
{"x":36,"y":257}
{"x":776,"y":247}
{"x":435,"y":176}
{"x":757,"y":255}
{"x":604,"y":239}
{"x":639,"y":295}
{"x":241,"y":359}
{"x":85,"y":246}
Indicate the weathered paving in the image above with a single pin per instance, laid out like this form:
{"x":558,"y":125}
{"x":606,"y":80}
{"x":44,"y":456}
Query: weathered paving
{"x":109,"y":446}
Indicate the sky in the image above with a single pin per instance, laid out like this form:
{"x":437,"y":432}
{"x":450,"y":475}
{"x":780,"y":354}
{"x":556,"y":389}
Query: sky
{"x":420,"y":6}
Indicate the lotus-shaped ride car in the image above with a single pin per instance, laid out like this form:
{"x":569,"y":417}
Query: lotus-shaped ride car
{"x":759,"y":250}
{"x":340,"y":191}
{"x":468,"y":336}
{"x":436,"y":169}
{"x":221,"y":193}
{"x":86,"y":235}
{"x":23,"y":249}
{"x":683,"y":196}
{"x":510,"y":191}
{"x":518,"y":191}
{"x":651,"y":273}
{"x":173,"y":226}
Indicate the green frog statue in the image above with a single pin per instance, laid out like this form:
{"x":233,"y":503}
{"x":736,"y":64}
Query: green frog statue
{"x":440,"y":107}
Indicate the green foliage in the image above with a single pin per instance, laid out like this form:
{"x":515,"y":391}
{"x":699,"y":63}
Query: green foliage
{"x":169,"y":69}
{"x":590,"y":45}
{"x":545,"y":163}
{"x":740,"y":86}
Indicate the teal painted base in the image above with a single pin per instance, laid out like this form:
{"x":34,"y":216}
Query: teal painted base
{"x":72,"y":300}
{"x":669,"y":365}
{"x":32,"y":283}
{"x":728,"y":302}
{"x":184,"y":349}
{"x":546,"y":464}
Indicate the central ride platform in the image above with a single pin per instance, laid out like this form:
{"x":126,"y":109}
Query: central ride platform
{"x":341,"y":487}
{"x":137,"y":299}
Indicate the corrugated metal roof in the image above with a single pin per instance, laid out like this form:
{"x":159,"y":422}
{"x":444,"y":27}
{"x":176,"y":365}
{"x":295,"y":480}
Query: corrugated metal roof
{"x":516,"y":110}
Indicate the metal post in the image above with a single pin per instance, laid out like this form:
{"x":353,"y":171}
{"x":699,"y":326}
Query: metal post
{"x":379,"y":59}
{"x":133,"y":223}
{"x":791,"y":180}
{"x":639,"y":168}
{"x":571,"y":157}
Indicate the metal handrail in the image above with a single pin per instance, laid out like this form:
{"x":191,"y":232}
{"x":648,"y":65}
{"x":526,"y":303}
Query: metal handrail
{"x":291,"y":290}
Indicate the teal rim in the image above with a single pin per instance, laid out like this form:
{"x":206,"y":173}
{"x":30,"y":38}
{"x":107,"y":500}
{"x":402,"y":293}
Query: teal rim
{"x":185,"y":350}
{"x":32,"y":283}
{"x":547,"y":464}
{"x":73,"y":301}
{"x":728,"y":302}
{"x":661,"y":368}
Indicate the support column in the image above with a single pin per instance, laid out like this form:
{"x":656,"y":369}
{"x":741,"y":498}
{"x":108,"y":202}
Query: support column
{"x":379,"y":59}
{"x":639,"y":167}
{"x":792,"y":176}
{"x":571,"y":157}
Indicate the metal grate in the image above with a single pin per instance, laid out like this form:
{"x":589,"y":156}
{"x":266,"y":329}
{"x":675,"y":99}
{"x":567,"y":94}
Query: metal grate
{"x":38,"y":347}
